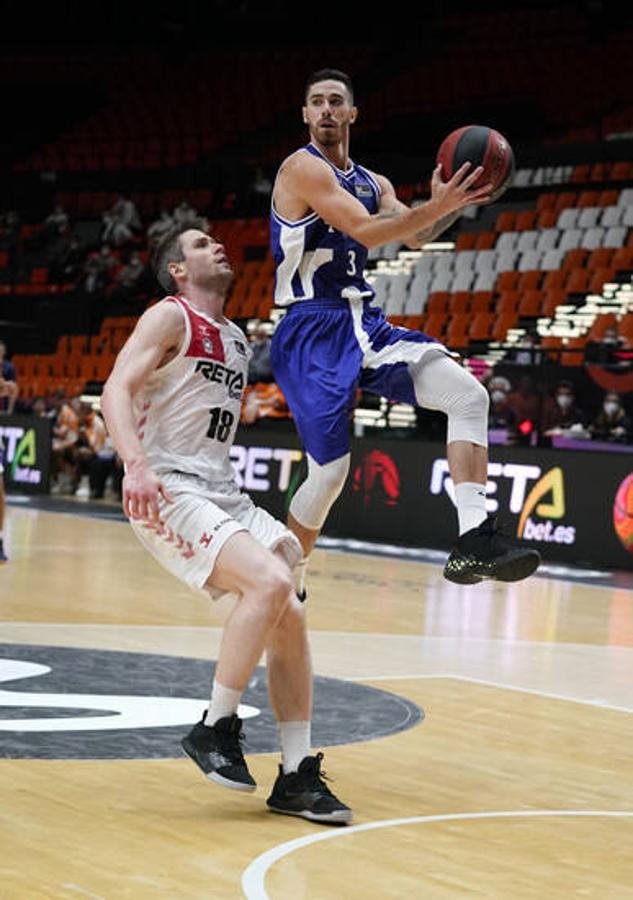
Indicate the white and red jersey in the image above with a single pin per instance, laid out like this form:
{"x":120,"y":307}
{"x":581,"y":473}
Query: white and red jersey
{"x":188,"y":412}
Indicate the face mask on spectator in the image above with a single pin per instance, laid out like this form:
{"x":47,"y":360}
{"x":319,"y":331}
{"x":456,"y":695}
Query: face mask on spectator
{"x":564,"y":400}
{"x":498,"y":396}
{"x":610,"y":407}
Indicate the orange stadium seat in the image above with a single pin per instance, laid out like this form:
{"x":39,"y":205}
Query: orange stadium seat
{"x":554,"y":279}
{"x":481,"y":325}
{"x":530,"y":303}
{"x":466,"y":240}
{"x":437,"y":303}
{"x":434,"y":325}
{"x":501,"y":325}
{"x":600,"y":257}
{"x":577,"y":281}
{"x":547,"y":200}
{"x":547,"y":218}
{"x":459,"y":302}
{"x":599,"y":278}
{"x":622,"y":258}
{"x":588,"y":198}
{"x":507,"y":302}
{"x":575,"y":259}
{"x":565,"y":200}
{"x":526,"y":220}
{"x":552,"y":298}
{"x":485,"y":240}
{"x":580,"y":173}
{"x":507,"y":281}
{"x":481,"y":301}
{"x":506,"y":221}
{"x":530,"y":279}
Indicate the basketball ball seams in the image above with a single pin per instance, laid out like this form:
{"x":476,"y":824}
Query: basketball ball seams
{"x":480,"y":146}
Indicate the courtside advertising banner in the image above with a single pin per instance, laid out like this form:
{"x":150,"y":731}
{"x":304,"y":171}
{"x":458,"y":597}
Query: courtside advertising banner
{"x":26,"y":445}
{"x":573,"y":506}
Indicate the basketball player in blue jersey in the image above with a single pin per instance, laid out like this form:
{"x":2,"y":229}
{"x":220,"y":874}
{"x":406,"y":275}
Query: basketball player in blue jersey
{"x":327,"y":211}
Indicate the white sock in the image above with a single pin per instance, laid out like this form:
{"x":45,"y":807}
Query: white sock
{"x":300,"y":575}
{"x":224,"y":702}
{"x":471,"y":505}
{"x":295,"y":744}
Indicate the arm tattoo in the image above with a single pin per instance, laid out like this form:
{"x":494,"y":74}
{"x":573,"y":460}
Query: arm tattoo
{"x":434,"y":231}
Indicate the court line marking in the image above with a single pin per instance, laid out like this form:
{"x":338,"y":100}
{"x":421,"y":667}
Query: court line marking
{"x":254,"y":875}
{"x":497,"y":684}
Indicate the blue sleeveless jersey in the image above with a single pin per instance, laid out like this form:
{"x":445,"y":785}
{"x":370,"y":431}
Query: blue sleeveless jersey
{"x":314,"y":261}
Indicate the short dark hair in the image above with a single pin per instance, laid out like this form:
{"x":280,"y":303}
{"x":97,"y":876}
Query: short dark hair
{"x":331,"y":75}
{"x":169,"y":249}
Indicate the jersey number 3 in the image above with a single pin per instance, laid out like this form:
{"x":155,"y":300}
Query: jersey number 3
{"x":220,"y":424}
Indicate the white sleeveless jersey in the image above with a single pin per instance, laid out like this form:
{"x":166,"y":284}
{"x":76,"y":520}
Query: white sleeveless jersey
{"x":188,"y":412}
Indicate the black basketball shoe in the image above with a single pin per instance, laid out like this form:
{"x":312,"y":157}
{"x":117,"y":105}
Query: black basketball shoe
{"x":3,"y":556}
{"x":217,"y":751}
{"x":483,"y":552}
{"x":305,"y":793}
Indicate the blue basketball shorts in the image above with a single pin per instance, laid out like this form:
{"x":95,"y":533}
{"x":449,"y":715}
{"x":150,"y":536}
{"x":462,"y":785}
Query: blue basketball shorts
{"x":324,"y":350}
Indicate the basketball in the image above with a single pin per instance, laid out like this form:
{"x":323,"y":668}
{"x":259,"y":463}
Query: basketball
{"x":480,"y":146}
{"x":623,"y":513}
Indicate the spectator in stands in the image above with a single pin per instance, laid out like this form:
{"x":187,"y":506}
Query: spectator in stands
{"x":561,"y":411}
{"x":90,"y":442}
{"x":127,"y":279}
{"x":121,"y":222}
{"x":8,"y":382}
{"x":98,"y":270}
{"x":526,"y":352}
{"x":106,"y":464}
{"x":65,"y":436}
{"x":525,"y":401}
{"x":501,"y":416}
{"x":160,"y":226}
{"x":260,"y":367}
{"x":612,"y":423}
{"x":605,"y":351}
{"x":185,"y":214}
{"x":68,"y":261}
{"x":39,"y":408}
{"x":54,"y":227}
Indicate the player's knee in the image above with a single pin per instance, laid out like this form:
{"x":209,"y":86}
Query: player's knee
{"x":468,"y":415}
{"x":275,"y":590}
{"x":312,"y":502}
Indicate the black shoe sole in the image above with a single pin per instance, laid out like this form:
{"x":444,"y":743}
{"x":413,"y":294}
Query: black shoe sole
{"x":217,"y":778}
{"x":514,"y":568}
{"x":337,"y":817}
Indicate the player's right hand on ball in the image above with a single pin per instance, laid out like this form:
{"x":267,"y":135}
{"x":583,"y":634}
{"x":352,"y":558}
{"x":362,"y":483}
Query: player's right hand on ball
{"x":458,"y":191}
{"x":141,"y":491}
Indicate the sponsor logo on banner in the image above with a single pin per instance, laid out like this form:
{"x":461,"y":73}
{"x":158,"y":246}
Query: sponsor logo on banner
{"x":540,"y":506}
{"x":262,"y":469}
{"x":377,"y":470}
{"x":21,"y":454}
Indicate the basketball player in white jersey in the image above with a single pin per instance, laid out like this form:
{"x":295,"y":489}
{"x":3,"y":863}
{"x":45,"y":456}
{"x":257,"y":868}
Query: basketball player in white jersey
{"x":172,"y":406}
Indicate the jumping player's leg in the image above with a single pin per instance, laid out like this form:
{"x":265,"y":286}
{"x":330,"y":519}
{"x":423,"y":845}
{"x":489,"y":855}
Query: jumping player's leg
{"x":311,"y":504}
{"x":440,"y":383}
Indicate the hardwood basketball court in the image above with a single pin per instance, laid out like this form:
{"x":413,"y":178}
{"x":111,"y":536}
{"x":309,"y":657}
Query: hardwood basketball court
{"x":517,"y":783}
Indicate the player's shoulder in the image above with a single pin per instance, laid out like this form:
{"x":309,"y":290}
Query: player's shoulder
{"x":302,"y":163}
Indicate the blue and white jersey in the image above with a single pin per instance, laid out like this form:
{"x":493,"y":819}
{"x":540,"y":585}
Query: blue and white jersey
{"x":314,"y":261}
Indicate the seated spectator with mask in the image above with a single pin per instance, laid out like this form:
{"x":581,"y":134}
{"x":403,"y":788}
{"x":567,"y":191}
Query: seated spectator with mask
{"x":612,"y":423}
{"x":562,"y":414}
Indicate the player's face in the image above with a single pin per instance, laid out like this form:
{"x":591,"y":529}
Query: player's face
{"x":206,"y":262}
{"x":328,"y":111}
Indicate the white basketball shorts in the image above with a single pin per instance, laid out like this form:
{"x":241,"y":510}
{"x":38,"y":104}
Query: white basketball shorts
{"x":193,"y":529}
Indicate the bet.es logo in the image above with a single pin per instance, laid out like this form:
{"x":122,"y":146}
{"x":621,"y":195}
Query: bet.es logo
{"x":540,"y":507}
{"x":376,"y":471}
{"x":21,"y":454}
